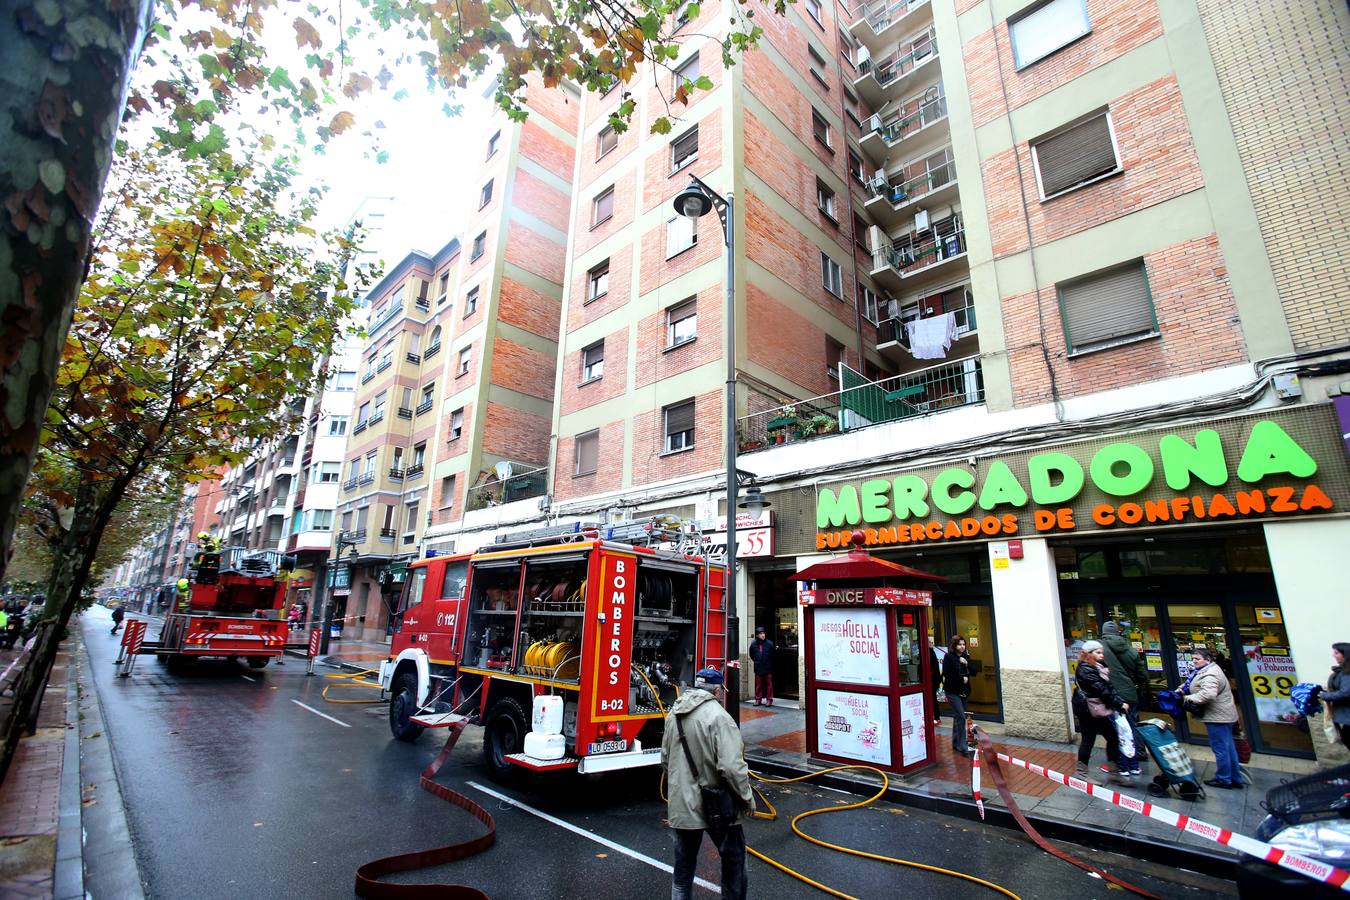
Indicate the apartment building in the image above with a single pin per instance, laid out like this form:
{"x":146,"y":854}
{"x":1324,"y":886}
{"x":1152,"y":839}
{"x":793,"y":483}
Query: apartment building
{"x":455,"y":399}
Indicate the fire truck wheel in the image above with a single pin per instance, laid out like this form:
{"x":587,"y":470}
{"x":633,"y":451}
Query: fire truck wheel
{"x":257,"y":662}
{"x":504,"y":735}
{"x":402,"y":705}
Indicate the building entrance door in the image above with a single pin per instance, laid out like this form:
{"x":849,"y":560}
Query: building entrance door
{"x":777,"y":611}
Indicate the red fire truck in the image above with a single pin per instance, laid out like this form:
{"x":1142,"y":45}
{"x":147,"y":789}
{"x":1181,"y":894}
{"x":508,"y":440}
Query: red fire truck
{"x":234,"y":610}
{"x":597,"y":616}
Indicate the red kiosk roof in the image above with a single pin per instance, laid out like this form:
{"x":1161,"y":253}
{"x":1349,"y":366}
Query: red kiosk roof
{"x":859,"y":565}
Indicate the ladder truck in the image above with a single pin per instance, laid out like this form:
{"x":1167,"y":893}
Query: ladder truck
{"x":566,"y":644}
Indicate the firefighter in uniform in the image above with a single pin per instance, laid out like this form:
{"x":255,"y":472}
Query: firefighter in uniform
{"x":184,"y":594}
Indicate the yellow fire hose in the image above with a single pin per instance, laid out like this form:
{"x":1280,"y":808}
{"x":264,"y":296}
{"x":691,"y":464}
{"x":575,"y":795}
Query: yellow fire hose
{"x":350,"y":679}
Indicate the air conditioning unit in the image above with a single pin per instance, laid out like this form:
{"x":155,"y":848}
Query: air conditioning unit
{"x":878,"y":182}
{"x":921,"y":220}
{"x":874,"y":122}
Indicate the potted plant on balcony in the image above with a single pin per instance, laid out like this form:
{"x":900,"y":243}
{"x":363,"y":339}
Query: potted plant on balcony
{"x":810,"y":426}
{"x":782,"y":425}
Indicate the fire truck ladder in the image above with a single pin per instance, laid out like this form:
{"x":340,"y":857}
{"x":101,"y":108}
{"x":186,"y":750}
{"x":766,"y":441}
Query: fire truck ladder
{"x":554,"y":534}
{"x":710,"y":656}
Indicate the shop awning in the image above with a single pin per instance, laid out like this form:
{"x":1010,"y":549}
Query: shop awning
{"x":859,"y":565}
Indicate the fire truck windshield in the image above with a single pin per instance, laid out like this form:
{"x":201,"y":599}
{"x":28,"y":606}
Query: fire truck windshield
{"x":412,"y":591}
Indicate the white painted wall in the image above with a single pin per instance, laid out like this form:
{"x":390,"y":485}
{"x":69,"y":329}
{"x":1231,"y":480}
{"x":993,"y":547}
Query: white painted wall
{"x":1026,"y":608}
{"x":1306,"y":557}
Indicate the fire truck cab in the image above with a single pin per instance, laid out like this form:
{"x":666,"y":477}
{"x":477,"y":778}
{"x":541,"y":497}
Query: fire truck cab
{"x":595,"y":616}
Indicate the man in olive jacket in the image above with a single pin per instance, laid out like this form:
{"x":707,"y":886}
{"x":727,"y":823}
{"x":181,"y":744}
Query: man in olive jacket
{"x":715,"y":744}
{"x":1129,"y":678}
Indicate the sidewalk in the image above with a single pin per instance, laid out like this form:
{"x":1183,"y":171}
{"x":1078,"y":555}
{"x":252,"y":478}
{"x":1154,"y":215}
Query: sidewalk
{"x":349,"y":654}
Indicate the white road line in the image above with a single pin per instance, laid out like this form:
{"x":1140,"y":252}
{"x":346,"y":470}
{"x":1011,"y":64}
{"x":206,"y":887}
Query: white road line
{"x":317,"y":713}
{"x":590,"y":835}
{"x":246,"y":678}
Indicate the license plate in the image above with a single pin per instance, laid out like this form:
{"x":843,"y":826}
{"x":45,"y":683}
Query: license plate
{"x":607,"y":747}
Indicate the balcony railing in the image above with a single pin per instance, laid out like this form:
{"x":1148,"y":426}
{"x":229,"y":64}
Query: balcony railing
{"x":356,"y":536}
{"x":862,"y":403}
{"x":924,"y":249}
{"x":367,"y":478}
{"x":393,"y":310}
{"x":396,"y":473}
{"x":414,"y":471}
{"x":414,"y":357}
{"x":370,"y":373}
{"x":384,"y":364}
{"x":349,"y":484}
{"x":386,"y":534}
{"x":518,"y":487}
{"x":375,"y":417}
{"x":404,"y":412}
{"x":895,"y":330}
{"x":883,"y":14}
{"x":431,"y":351}
{"x":360,"y":427}
{"x":425,"y":406}
{"x":902,"y":126}
{"x":422,"y":303}
{"x":901,"y":62}
{"x":913,"y":188}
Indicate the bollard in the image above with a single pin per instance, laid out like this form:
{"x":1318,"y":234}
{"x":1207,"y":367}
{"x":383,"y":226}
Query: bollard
{"x":315,"y":636}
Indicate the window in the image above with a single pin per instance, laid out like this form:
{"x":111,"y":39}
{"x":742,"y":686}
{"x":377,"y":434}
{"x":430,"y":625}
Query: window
{"x":443,"y":289}
{"x":1047,"y":28}
{"x":602,"y":207}
{"x":820,"y":128}
{"x":344,"y":381}
{"x":397,"y":462}
{"x":682,"y":13}
{"x":370,"y":463}
{"x":493,"y":143}
{"x":428,"y":392}
{"x":592,"y":362}
{"x":479,"y":245}
{"x":684,"y":149}
{"x":817,"y":66}
{"x":337,"y":425}
{"x":831,"y":275}
{"x":463,"y":362}
{"x":435,"y":338}
{"x":321,"y":520}
{"x":860,"y":227}
{"x":1107,"y":308}
{"x":456,"y":424}
{"x":834,"y":355}
{"x":410,"y":522}
{"x":419,"y":454}
{"x":328,"y":472}
{"x":1075,"y":156}
{"x":868,"y":300}
{"x":363,"y":413}
{"x":681,"y":323}
{"x":606,"y":141}
{"x":471,"y":302}
{"x":825,"y":200}
{"x":387,"y":523}
{"x":679,"y":426}
{"x":485,"y":195}
{"x":813,"y":7}
{"x":610,"y":85}
{"x":447,"y":492}
{"x":855,"y":167}
{"x":405,"y":400}
{"x":687,"y":71}
{"x":587,"y":453}
{"x":355,"y":470}
{"x":597,"y":282}
{"x":681,"y":234}
{"x":347,"y":520}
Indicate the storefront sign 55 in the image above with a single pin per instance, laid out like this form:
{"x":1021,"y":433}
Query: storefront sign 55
{"x":1059,"y":490}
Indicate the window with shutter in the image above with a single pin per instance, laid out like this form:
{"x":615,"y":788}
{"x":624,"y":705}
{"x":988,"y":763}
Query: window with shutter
{"x":679,"y":426}
{"x":1044,"y":28}
{"x":681,"y":234}
{"x":1075,"y":156}
{"x":1107,"y":308}
{"x":684,"y":149}
{"x":587,"y":453}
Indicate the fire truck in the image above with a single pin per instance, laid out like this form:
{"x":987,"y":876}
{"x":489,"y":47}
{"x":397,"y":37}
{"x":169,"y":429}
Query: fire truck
{"x":607,"y":623}
{"x":234,"y":610}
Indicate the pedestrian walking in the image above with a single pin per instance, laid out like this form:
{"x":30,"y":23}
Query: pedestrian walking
{"x":935,"y":684}
{"x":4,"y":627}
{"x":1095,"y":703}
{"x":1129,"y":678}
{"x":1337,"y":693}
{"x":1208,"y":693}
{"x":701,"y":749}
{"x":118,"y":615}
{"x":761,"y":654}
{"x":956,"y":682}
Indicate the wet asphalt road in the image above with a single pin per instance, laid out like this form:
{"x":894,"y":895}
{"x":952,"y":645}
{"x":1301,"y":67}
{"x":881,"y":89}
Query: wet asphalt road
{"x":235,"y":790}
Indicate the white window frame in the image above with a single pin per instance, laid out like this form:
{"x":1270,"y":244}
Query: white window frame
{"x":870,"y":302}
{"x":1029,"y":18}
{"x":465,"y":359}
{"x":344,"y":380}
{"x":596,"y":219}
{"x":492,"y":144}
{"x":479,"y":246}
{"x":681,"y":234}
{"x":679,"y":162}
{"x":337,"y":425}
{"x":826,"y":201}
{"x":592,"y":366}
{"x":831,"y":271}
{"x":680,"y":440}
{"x":601,"y":151}
{"x":320,"y":520}
{"x":681,"y":76}
{"x":485,"y":195}
{"x":685,"y":311}
{"x":1036,"y":160}
{"x":471,"y":301}
{"x":813,"y":9}
{"x":596,"y":278}
{"x":828,"y":140}
{"x":457,"y":424}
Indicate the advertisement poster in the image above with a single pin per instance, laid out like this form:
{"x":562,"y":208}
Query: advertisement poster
{"x":1271,"y":672}
{"x":913,"y":730}
{"x":851,"y":645}
{"x":854,"y":726}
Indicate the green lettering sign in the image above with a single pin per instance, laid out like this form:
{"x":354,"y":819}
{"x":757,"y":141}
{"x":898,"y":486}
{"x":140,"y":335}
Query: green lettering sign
{"x":836,"y":512}
{"x":1271,"y":451}
{"x":875,"y":501}
{"x":1183,"y":461}
{"x":1001,"y":487}
{"x":1121,"y":469}
{"x":909,"y":494}
{"x":1041,"y":471}
{"x":943,"y":499}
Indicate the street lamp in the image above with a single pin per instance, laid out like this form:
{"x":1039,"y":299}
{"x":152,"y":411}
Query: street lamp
{"x":695,"y":202}
{"x":327,"y":621}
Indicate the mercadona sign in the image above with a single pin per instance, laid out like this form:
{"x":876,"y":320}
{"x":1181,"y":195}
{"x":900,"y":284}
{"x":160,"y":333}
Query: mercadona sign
{"x":1248,"y":467}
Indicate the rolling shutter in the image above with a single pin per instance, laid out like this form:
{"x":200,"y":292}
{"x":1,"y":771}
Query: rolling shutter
{"x":588,"y":452}
{"x":1108,"y":306}
{"x":1074,"y":156}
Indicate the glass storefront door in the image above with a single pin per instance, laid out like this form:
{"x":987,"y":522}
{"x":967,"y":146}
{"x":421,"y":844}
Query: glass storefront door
{"x":1267,"y":667}
{"x":1194,"y":626}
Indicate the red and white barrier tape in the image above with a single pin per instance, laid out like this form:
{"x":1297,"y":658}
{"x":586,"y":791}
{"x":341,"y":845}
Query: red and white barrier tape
{"x":975,"y":782}
{"x":1339,"y":878}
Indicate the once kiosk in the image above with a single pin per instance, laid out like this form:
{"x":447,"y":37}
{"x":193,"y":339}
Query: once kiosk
{"x":868,"y":672}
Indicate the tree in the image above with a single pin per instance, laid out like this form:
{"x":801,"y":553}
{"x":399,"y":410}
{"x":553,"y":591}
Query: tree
{"x":62,"y":79}
{"x":205,"y":312}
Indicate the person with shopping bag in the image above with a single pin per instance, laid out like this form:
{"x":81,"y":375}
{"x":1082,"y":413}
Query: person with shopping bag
{"x":1208,"y":696}
{"x":1100,"y":711}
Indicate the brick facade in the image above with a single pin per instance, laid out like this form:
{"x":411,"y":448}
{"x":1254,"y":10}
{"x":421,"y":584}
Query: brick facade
{"x":515,"y":434}
{"x":574,"y":395}
{"x":608,"y":474}
{"x":651,"y":462}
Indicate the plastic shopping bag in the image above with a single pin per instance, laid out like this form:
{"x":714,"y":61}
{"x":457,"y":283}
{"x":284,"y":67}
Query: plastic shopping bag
{"x":1125,"y":734}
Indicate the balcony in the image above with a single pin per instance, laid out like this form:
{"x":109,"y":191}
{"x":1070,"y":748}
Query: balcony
{"x":893,"y":336}
{"x":879,"y":79}
{"x":413,"y":471}
{"x":880,"y":21}
{"x":396,"y":473}
{"x":431,"y":351}
{"x":893,"y":196}
{"x":360,"y":426}
{"x":386,"y":535}
{"x":384,"y":364}
{"x":425,"y":406}
{"x":367,"y":477}
{"x":375,"y":418}
{"x":349,"y":484}
{"x":358,"y":536}
{"x":370,"y":373}
{"x":917,"y":116}
{"x":404,"y":412}
{"x":862,"y":404}
{"x":388,"y":314}
{"x":524,"y":486}
{"x":922,"y":254}
{"x":414,"y":358}
{"x":422,"y":303}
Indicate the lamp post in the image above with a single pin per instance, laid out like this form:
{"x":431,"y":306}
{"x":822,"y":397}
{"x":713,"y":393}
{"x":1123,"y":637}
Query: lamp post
{"x":694,"y":202}
{"x":330,"y":572}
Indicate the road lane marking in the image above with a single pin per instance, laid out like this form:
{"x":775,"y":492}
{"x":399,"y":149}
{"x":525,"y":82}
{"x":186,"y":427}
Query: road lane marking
{"x":590,"y":835}
{"x":317,"y":713}
{"x":246,"y":678}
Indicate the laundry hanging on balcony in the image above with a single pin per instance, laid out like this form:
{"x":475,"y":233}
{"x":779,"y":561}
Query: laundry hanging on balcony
{"x":932,"y":337}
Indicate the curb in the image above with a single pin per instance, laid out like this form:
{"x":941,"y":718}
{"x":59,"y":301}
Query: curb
{"x":68,"y":875}
{"x":333,"y":662}
{"x":1193,"y":859}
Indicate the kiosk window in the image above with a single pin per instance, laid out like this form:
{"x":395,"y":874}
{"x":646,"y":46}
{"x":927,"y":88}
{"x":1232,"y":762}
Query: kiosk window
{"x":910,"y":644}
